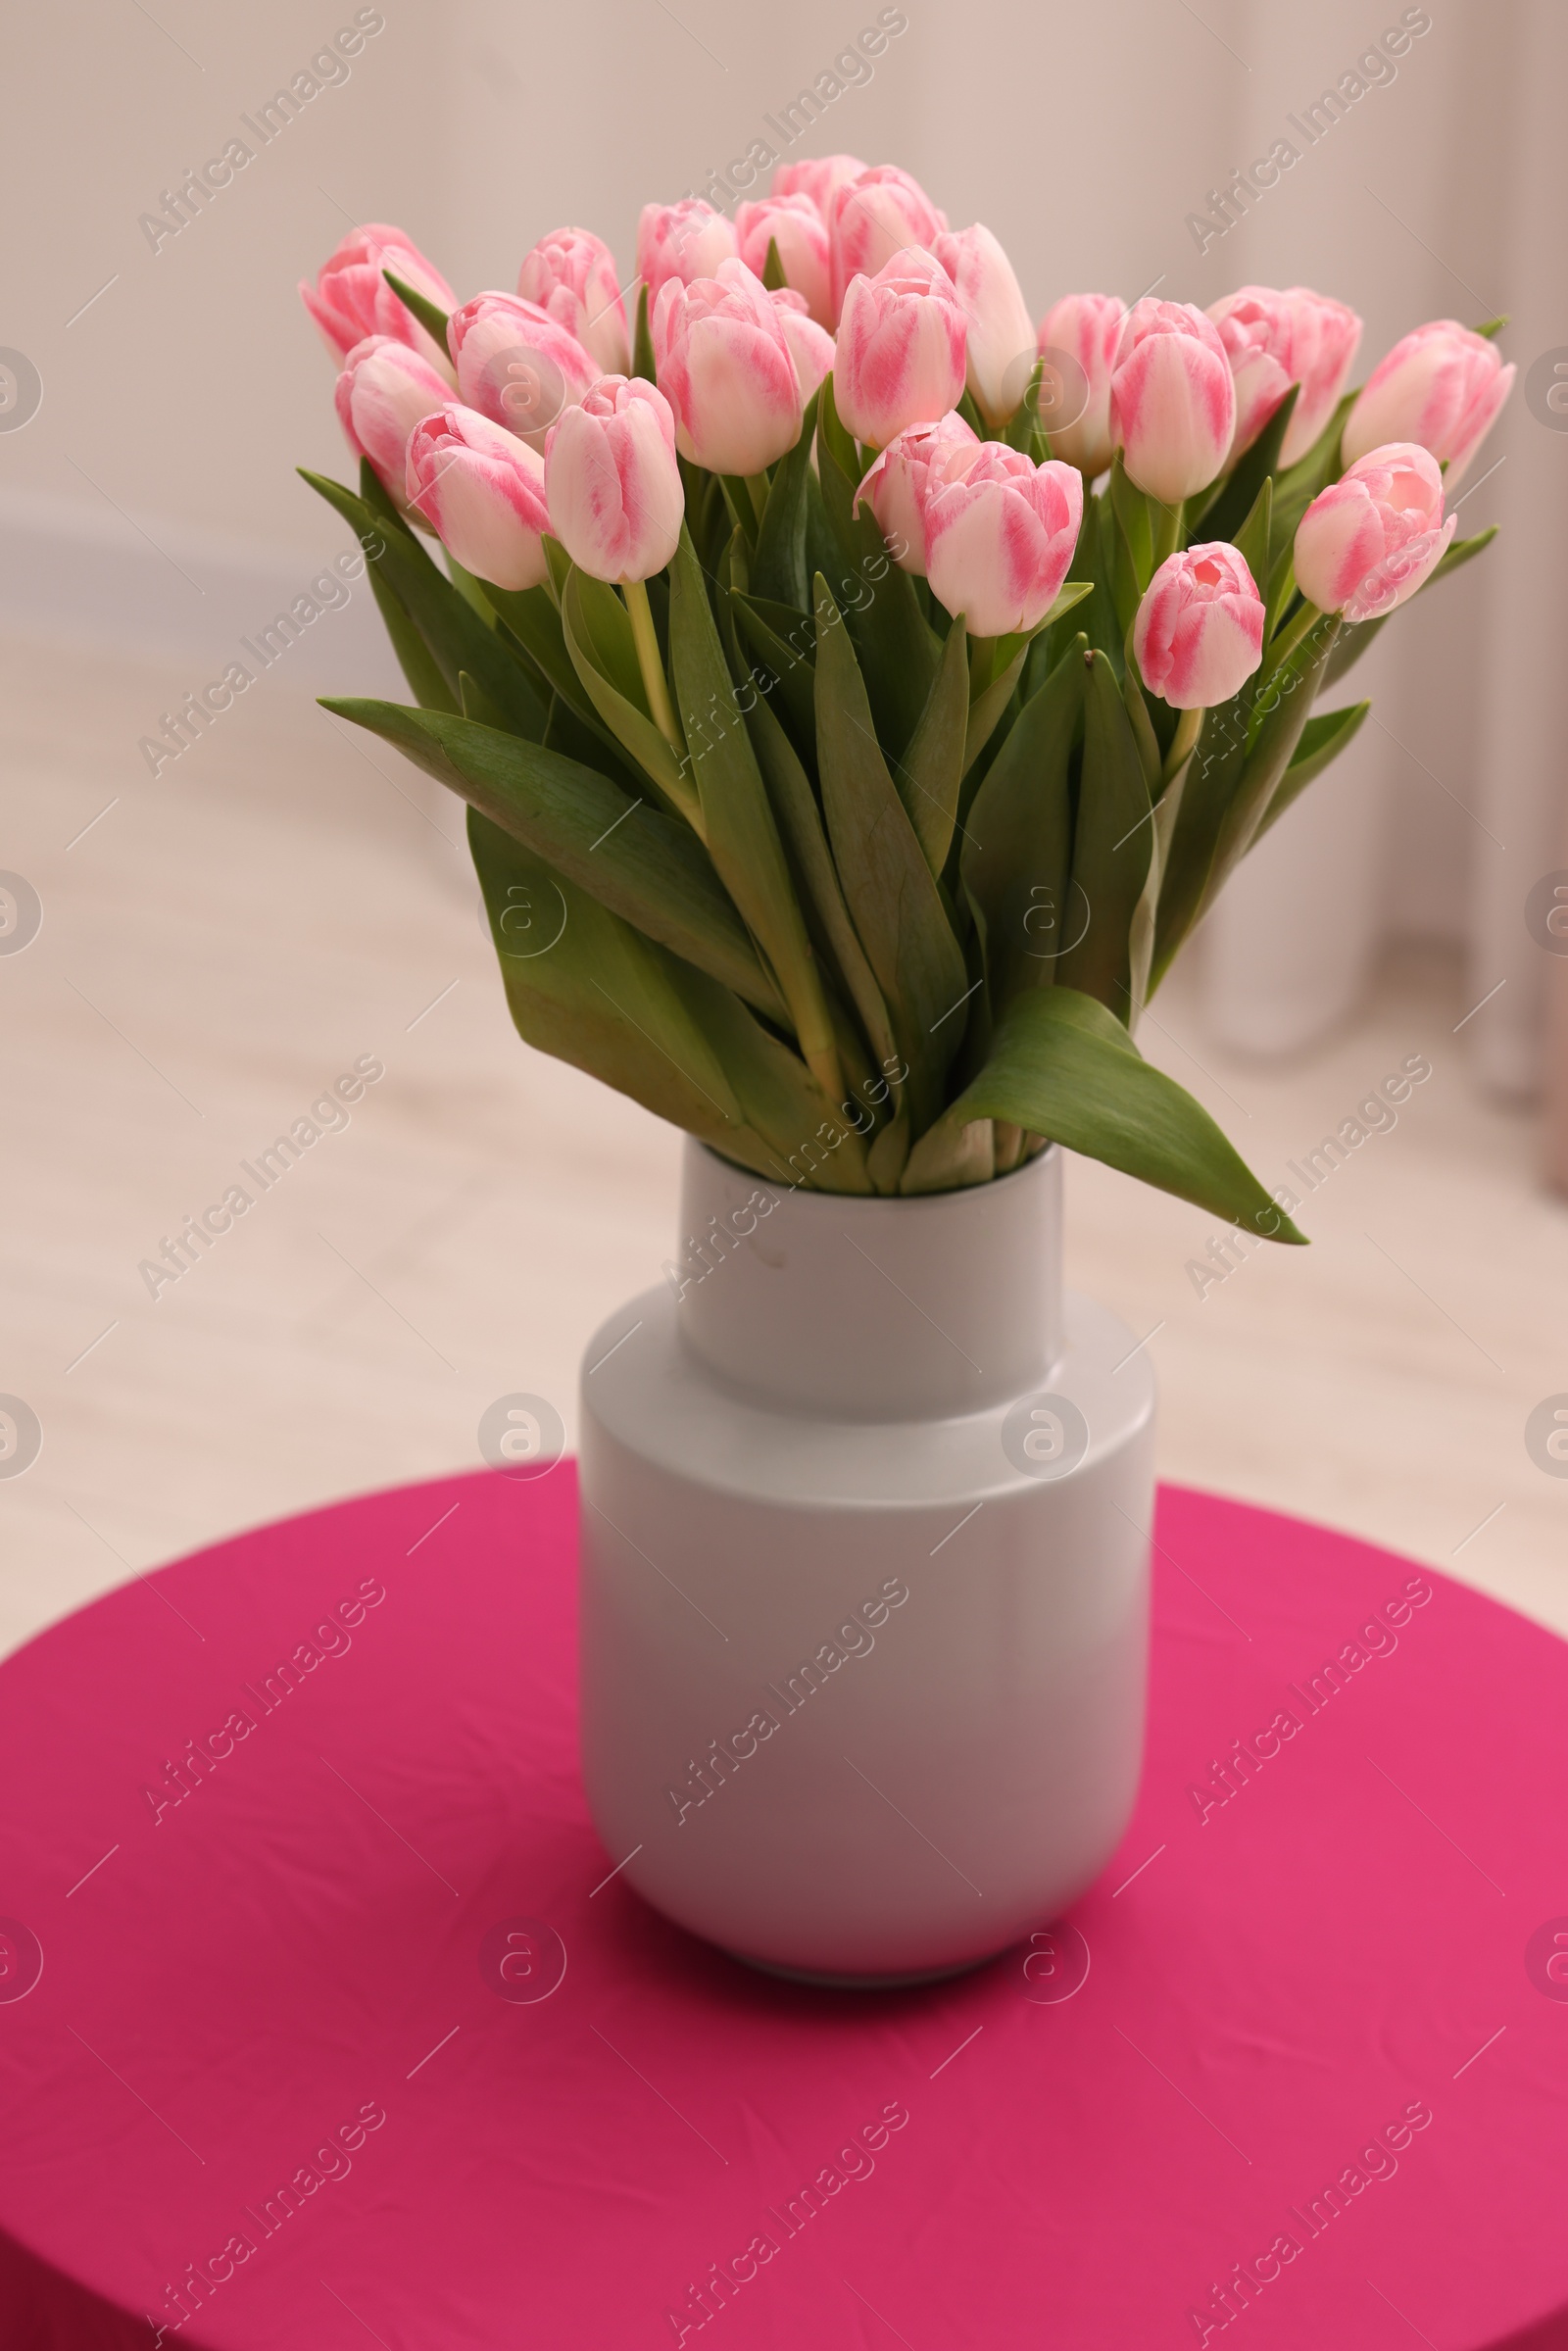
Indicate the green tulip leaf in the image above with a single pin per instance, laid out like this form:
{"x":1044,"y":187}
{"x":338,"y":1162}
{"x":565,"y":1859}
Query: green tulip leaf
{"x":1112,"y":846}
{"x":895,"y":647}
{"x":641,"y":348}
{"x":1323,"y":737}
{"x":1016,"y":854}
{"x":646,"y":867}
{"x":738,"y":821}
{"x":456,"y":637}
{"x":932,"y":769}
{"x":414,"y":658}
{"x":778,"y":565}
{"x":590,"y":989}
{"x":597,"y":634}
{"x":1234,"y":499}
{"x":1062,"y":1066}
{"x":888,"y":886}
{"x":800,"y":821}
{"x":431,"y":316}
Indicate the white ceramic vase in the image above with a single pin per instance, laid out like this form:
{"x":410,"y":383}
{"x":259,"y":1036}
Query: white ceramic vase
{"x":866,"y":1520}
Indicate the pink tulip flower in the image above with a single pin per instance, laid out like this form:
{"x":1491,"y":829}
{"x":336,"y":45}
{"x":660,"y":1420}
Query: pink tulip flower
{"x":801,"y":234}
{"x":899,"y":357}
{"x":820,"y":176}
{"x":350,"y":299}
{"x":725,"y":364}
{"x":1441,"y":386}
{"x":516,"y":364}
{"x":482,"y":492}
{"x":612,"y":483}
{"x":876,"y":216}
{"x":1199,"y":631}
{"x":810,"y":345}
{"x":914,"y":464}
{"x":571,"y":275}
{"x":1173,"y":399}
{"x":1000,"y":538}
{"x":684,"y":240}
{"x":1368,"y":541}
{"x":384,"y":391}
{"x":1002,"y":348}
{"x":1274,"y":340}
{"x":1079,"y":338}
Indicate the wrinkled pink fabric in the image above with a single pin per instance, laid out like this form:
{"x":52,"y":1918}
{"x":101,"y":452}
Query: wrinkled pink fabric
{"x":1074,"y":2146}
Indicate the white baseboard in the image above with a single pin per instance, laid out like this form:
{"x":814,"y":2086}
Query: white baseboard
{"x":146,"y":587}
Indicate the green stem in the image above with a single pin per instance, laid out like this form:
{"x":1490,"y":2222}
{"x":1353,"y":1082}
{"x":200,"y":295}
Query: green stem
{"x":982,"y":660}
{"x":1167,"y":522}
{"x":1188,"y":728}
{"x":1290,"y":636}
{"x":758,"y":486}
{"x":651,"y":662}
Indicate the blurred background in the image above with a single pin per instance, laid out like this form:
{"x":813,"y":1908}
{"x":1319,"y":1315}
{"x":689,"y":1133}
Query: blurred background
{"x":194,"y":956}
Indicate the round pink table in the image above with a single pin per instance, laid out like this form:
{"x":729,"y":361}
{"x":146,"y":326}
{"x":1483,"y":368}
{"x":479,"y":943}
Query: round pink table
{"x":324,"y":2018}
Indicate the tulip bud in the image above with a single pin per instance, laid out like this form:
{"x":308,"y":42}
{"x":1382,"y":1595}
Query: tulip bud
{"x":1441,"y":386}
{"x":820,"y":176}
{"x":725,"y":364}
{"x":1369,"y":540}
{"x":571,"y":275}
{"x":1000,"y":538}
{"x":613,"y":488}
{"x":900,"y":354}
{"x":1198,"y":632}
{"x":684,"y":240}
{"x":516,"y":364}
{"x":384,"y":391}
{"x":1173,"y":399}
{"x":1001,"y":346}
{"x":810,"y":345}
{"x":900,"y":485}
{"x":1275,"y":340}
{"x":482,"y":492}
{"x":873,"y":218}
{"x":1079,"y":338}
{"x":350,"y":299}
{"x":796,"y":227}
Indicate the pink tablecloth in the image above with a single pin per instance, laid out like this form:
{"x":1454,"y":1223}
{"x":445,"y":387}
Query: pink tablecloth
{"x":357,"y":2039}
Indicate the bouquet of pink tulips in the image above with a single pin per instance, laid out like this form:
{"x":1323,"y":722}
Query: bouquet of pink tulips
{"x":845,"y":767}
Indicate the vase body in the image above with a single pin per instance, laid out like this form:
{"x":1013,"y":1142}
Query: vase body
{"x":865,"y":1515}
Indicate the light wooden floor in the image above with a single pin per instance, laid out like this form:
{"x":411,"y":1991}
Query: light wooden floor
{"x":227,"y":940}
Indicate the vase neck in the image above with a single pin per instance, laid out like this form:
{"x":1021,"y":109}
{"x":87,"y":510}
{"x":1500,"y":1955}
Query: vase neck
{"x":871,"y":1310}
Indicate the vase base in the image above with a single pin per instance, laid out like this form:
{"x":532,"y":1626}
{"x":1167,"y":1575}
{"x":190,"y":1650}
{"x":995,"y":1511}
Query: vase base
{"x":825,"y":1981}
